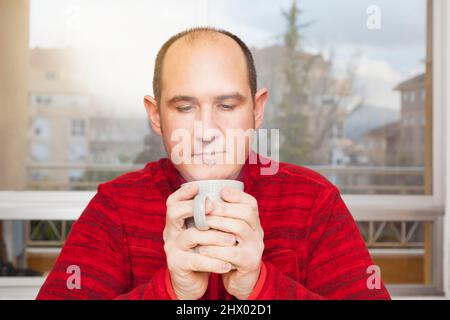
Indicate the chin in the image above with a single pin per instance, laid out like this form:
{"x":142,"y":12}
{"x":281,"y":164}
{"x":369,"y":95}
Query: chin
{"x":205,"y":172}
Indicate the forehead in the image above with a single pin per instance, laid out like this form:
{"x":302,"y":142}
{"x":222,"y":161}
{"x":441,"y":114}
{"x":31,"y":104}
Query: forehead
{"x":207,"y":62}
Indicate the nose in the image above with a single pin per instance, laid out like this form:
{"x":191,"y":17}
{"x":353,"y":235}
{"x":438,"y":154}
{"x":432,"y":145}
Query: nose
{"x":207,"y":130}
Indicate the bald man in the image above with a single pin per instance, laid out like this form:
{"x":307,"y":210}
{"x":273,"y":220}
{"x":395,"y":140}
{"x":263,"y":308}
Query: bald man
{"x":287,"y":235}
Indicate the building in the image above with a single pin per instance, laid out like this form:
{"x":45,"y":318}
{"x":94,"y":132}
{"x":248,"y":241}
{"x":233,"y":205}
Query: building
{"x":66,"y":125}
{"x":412,"y":123}
{"x":381,"y":144}
{"x":401,"y":143}
{"x":60,"y":106}
{"x":323,"y":100}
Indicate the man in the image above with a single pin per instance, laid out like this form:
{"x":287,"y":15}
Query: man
{"x":288,"y":234}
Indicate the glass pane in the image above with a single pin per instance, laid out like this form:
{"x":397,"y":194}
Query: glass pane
{"x":30,"y":248}
{"x":87,"y":122}
{"x":402,"y":249}
{"x":347,"y":85}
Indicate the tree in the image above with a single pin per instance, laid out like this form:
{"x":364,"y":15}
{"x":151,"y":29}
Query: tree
{"x":310,"y":112}
{"x":291,"y":117}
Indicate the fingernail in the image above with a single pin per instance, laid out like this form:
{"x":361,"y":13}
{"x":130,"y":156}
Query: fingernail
{"x":226,"y":267}
{"x":230,"y":239}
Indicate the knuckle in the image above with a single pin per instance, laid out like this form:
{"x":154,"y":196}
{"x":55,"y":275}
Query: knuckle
{"x":165,"y":235}
{"x":166,"y":248}
{"x":262,"y":247}
{"x":248,"y":213}
{"x":254,"y":203}
{"x":169,"y":199}
{"x":169,"y":211}
{"x":241,"y":229}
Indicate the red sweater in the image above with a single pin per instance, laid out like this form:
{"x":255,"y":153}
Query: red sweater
{"x":313,"y":248}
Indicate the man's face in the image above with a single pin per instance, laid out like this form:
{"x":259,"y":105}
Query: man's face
{"x":206,"y":93}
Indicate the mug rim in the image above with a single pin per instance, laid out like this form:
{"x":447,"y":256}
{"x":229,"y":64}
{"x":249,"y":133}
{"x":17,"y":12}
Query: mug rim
{"x":212,"y":181}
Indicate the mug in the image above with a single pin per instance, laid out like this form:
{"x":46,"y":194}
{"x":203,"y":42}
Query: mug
{"x":208,"y":189}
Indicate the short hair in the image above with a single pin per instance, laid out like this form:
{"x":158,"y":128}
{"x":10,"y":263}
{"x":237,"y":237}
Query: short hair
{"x":193,"y":33}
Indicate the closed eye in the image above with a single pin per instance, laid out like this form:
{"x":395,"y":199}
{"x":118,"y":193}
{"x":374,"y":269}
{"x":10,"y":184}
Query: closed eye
{"x":226,"y":106}
{"x":186,"y":108}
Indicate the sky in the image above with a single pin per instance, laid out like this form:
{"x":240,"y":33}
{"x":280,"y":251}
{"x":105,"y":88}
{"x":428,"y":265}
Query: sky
{"x":127,"y":35}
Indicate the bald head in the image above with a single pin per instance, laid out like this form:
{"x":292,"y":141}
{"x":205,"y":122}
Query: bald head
{"x":173,"y":50}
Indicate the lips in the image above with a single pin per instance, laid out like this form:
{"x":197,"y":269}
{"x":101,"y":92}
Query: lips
{"x":208,"y":154}
{"x":209,"y":158}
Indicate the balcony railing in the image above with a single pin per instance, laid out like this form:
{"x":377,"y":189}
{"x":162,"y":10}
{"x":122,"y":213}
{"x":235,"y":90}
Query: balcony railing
{"x":350,"y":179}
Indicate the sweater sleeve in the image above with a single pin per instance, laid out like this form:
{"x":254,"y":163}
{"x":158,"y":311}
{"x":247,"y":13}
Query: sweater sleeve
{"x":94,"y":262}
{"x":337,"y":260}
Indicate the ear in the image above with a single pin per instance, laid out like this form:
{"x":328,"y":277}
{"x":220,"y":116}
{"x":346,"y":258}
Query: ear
{"x":153,"y":113}
{"x":261,"y":98}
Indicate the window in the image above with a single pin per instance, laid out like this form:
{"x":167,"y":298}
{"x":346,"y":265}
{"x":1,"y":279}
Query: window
{"x":77,"y":151}
{"x":41,"y":128}
{"x":78,"y":127}
{"x":412,"y":96}
{"x":361,"y":89}
{"x":40,"y":151}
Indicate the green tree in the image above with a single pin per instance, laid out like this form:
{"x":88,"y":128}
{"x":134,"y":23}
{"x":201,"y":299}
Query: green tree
{"x":291,"y":115}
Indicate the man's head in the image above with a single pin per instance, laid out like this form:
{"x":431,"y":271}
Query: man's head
{"x":205,"y":76}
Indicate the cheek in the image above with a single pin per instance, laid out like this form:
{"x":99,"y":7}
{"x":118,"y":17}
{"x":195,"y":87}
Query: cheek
{"x":241,"y":119}
{"x":175,"y":127}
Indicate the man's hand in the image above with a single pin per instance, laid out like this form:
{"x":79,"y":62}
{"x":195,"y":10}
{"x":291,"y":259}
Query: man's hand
{"x":189,"y":271}
{"x":239,"y":216}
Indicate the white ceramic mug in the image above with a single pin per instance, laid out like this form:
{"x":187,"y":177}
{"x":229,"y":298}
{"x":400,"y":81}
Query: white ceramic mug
{"x":208,"y":189}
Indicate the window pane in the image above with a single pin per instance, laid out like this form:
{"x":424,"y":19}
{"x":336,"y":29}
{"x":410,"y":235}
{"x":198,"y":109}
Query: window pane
{"x":87,"y":81}
{"x":30,"y":248}
{"x":346,"y":90}
{"x":354,"y":66}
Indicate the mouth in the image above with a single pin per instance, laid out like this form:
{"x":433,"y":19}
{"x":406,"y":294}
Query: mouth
{"x":208,"y":158}
{"x":208,"y":154}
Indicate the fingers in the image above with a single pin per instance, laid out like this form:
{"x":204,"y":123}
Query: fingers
{"x":192,"y":237}
{"x":179,"y":205}
{"x":230,"y":254}
{"x":237,"y":211}
{"x":201,"y":263}
{"x":176,"y":214}
{"x":239,"y":228}
{"x":184,"y":193}
{"x":237,"y":196}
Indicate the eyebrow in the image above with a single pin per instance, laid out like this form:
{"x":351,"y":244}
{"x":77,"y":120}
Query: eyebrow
{"x":228,"y":96}
{"x":184,"y":98}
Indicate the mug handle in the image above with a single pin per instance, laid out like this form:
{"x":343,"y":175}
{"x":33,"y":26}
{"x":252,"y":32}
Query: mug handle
{"x":199,"y":212}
